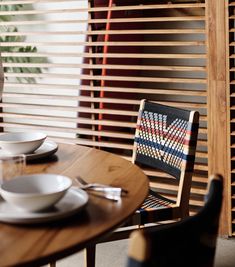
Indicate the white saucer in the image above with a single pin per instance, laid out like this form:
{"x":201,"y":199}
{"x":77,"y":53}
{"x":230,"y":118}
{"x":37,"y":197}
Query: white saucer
{"x":46,"y":149}
{"x":73,"y":201}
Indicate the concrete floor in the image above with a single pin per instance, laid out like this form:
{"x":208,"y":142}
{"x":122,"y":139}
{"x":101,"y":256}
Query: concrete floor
{"x":225,"y":253}
{"x":113,"y":254}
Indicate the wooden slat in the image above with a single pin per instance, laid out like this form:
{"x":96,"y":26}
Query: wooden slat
{"x":194,"y":190}
{"x":157,"y":174}
{"x":14,"y":96}
{"x":118,"y":43}
{"x":72,"y":98}
{"x":100,"y":9}
{"x":110,"y":32}
{"x":103,"y":111}
{"x":107,"y":66}
{"x":12,"y":2}
{"x":69,"y":130}
{"x":107,"y":78}
{"x":100,"y":55}
{"x":232,"y":107}
{"x":75,"y":109}
{"x":173,"y":43}
{"x":198,"y":203}
{"x":88,"y":142}
{"x":113,"y":78}
{"x":79,"y":120}
{"x":35,"y":1}
{"x":198,"y":167}
{"x":96,"y":21}
{"x":167,"y":91}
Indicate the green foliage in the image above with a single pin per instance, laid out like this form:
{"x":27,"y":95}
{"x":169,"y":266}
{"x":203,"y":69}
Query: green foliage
{"x":17,"y":49}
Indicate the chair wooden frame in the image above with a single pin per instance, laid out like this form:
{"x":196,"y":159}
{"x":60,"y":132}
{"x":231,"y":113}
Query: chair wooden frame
{"x":180,"y":209}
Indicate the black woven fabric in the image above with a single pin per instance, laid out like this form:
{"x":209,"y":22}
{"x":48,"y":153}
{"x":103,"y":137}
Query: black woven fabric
{"x":164,"y":137}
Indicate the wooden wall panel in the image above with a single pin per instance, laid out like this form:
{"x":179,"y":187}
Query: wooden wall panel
{"x":217,"y":98}
{"x":230,"y":19}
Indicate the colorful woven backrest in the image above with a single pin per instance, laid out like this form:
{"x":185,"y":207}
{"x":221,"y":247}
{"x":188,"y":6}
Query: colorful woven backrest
{"x":189,"y":242}
{"x":166,"y":138}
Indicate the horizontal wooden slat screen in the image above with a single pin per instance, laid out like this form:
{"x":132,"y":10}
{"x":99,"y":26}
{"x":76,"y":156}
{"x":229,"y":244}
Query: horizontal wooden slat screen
{"x":77,"y":70}
{"x":231,"y":91}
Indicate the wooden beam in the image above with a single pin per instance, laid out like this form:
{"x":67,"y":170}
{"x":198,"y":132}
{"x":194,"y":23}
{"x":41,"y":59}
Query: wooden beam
{"x":218,"y":133}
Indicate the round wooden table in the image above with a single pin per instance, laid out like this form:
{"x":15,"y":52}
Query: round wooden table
{"x":35,"y":245}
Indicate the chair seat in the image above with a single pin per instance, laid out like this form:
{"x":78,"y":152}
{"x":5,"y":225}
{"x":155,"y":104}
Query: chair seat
{"x":155,"y":201}
{"x":154,"y":208}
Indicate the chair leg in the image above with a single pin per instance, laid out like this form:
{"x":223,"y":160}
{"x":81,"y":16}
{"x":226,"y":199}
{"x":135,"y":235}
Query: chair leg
{"x":90,"y":256}
{"x":52,"y":264}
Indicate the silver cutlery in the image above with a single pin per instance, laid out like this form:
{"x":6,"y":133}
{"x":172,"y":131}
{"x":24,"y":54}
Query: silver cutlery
{"x":109,"y":192}
{"x":101,"y":187}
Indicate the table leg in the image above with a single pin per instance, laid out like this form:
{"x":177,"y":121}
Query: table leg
{"x":90,"y":256}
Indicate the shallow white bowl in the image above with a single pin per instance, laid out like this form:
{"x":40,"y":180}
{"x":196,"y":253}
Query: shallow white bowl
{"x":35,"y":192}
{"x":21,"y":143}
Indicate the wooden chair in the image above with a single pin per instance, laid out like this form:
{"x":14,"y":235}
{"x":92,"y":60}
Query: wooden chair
{"x":190,"y":242}
{"x":165,"y":139}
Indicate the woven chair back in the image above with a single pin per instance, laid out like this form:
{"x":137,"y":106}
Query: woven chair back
{"x":166,"y":138}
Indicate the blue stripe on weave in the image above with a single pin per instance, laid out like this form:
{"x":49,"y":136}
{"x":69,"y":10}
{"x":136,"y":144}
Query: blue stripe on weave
{"x":148,"y":143}
{"x":166,"y":149}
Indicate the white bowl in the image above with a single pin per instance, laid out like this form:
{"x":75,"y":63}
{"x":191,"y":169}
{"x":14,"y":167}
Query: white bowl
{"x":21,"y":143}
{"x":35,"y":192}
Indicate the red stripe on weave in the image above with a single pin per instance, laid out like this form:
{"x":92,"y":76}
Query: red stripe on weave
{"x":160,"y":124}
{"x":171,"y":137}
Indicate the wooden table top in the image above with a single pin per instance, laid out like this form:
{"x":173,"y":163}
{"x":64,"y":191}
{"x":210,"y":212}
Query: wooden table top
{"x":32,"y":245}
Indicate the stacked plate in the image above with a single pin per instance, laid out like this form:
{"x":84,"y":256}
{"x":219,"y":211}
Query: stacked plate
{"x":33,"y":144}
{"x":36,"y":198}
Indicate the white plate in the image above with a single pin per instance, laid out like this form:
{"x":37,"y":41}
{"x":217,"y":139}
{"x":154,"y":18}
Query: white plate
{"x":73,"y":201}
{"x":46,"y":149}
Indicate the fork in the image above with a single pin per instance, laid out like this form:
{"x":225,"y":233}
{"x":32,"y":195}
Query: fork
{"x":99,"y":191}
{"x":110,"y":192}
{"x":101,"y":187}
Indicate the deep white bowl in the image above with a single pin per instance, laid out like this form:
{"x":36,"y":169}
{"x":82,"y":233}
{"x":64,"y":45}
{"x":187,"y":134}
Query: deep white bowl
{"x":21,"y":143}
{"x":35,"y":192}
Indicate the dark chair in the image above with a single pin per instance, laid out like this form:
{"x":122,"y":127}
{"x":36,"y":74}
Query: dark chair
{"x":165,"y":139}
{"x":190,"y":242}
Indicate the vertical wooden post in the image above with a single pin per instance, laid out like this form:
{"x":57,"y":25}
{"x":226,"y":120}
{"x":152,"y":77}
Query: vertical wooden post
{"x":218,"y":142}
